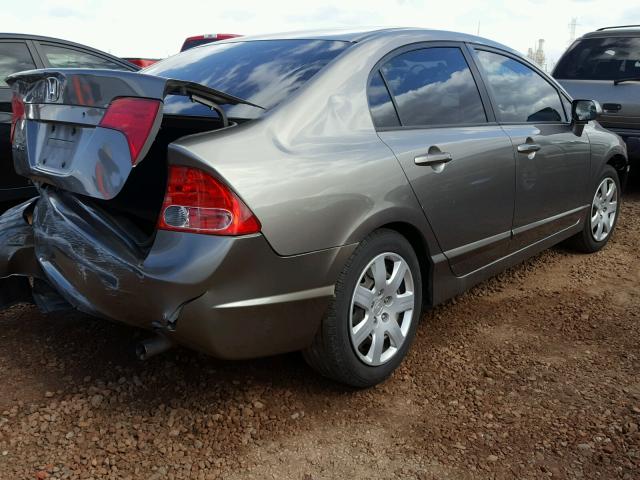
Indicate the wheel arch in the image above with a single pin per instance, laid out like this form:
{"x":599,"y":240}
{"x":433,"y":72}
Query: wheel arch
{"x":620,"y":163}
{"x":420,"y":246}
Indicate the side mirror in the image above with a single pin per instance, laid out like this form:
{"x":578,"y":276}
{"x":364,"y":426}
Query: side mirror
{"x":583,"y":111}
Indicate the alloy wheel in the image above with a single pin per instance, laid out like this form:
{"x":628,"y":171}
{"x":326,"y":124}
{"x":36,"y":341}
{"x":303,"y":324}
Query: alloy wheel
{"x":382,"y":309}
{"x":604,"y":209}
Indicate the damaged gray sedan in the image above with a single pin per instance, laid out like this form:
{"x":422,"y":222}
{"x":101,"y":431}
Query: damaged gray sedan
{"x":307,"y":192}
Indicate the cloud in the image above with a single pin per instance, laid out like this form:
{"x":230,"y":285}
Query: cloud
{"x":66,"y":12}
{"x":150,"y":28}
{"x":334,"y":16}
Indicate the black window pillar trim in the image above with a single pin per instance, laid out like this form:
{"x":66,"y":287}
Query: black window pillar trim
{"x":391,"y":96}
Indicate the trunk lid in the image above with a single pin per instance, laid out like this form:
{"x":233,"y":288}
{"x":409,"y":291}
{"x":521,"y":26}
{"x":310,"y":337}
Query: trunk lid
{"x":59,"y":138}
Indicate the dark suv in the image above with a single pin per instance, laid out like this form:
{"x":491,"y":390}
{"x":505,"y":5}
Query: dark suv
{"x":605,"y":65}
{"x":27,"y":52}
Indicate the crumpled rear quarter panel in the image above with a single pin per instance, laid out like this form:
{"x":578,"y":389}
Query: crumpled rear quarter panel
{"x":100,"y":271}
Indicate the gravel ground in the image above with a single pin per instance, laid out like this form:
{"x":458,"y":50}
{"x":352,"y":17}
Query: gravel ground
{"x":534,"y":374}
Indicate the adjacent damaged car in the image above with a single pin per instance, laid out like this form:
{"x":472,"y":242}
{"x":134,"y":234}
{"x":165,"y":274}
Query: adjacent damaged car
{"x":309,"y":191}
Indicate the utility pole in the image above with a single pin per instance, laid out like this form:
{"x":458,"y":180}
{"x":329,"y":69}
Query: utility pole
{"x":572,"y":29}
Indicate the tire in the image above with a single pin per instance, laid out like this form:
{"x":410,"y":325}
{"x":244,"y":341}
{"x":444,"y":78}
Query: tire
{"x":334,"y":353}
{"x":588,"y":240}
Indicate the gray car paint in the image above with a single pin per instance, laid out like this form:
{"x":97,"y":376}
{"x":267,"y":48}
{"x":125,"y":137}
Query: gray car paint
{"x":481,"y":173}
{"x":551,"y":182}
{"x":319,"y":177}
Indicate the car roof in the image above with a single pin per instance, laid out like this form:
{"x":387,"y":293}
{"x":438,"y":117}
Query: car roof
{"x":614,"y":32}
{"x":41,"y":38}
{"x":364,"y":34}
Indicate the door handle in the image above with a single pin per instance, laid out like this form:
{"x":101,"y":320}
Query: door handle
{"x":433,"y":159}
{"x":528,"y":148}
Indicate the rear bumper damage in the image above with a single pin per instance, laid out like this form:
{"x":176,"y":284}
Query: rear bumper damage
{"x":231,"y":297}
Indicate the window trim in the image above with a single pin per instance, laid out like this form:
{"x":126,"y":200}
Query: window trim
{"x":475,"y":74}
{"x":474,"y":47}
{"x":393,"y":102}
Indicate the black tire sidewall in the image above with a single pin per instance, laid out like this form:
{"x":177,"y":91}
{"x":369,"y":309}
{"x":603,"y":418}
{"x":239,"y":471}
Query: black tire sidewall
{"x":384,"y":241}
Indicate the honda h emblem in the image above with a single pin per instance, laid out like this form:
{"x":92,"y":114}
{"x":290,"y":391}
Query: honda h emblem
{"x":53,"y":90}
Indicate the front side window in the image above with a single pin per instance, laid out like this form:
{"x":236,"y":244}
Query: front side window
{"x":14,"y":57}
{"x":520,"y":93}
{"x":612,"y":58}
{"x":382,"y":110}
{"x":62,"y":57}
{"x":434,"y":86}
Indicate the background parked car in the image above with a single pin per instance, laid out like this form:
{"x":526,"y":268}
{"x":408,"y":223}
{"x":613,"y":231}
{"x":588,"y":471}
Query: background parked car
{"x":605,"y":65}
{"x":197,"y":40}
{"x":26,"y":52}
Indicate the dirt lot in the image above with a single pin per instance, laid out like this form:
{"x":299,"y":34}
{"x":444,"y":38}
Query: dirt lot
{"x":534,"y":374}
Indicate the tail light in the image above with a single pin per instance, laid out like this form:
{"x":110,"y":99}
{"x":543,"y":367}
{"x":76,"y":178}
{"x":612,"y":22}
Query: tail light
{"x":134,"y":117}
{"x":196,"y":202}
{"x":17,"y":113}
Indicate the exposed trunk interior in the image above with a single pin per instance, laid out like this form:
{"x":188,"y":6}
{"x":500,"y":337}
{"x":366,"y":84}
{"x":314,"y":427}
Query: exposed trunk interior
{"x":75,"y":134}
{"x":136,"y":208}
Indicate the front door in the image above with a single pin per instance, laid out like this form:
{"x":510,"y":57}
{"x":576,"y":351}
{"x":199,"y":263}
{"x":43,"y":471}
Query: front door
{"x":552,"y":162}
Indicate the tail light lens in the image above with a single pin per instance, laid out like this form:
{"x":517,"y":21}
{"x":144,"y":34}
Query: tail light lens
{"x":17,"y":113}
{"x":196,"y":202}
{"x":134,"y":117}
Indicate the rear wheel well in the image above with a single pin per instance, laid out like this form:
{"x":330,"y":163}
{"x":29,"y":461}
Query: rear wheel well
{"x":619,"y":162}
{"x":416,"y":239}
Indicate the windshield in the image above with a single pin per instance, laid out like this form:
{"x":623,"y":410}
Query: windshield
{"x":612,"y":58}
{"x":264,"y":72}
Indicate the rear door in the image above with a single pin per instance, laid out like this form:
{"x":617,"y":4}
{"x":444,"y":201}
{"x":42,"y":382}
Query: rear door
{"x":429,"y":110}
{"x":15,"y":56}
{"x":552,"y":162}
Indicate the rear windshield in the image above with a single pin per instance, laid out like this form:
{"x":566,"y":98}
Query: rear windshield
{"x":611,"y":58}
{"x":264,"y":72}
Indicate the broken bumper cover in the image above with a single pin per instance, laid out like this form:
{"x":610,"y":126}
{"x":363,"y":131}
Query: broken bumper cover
{"x":231,"y":297}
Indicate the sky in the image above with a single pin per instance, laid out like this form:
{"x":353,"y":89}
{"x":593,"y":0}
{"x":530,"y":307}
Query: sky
{"x":156,"y":29}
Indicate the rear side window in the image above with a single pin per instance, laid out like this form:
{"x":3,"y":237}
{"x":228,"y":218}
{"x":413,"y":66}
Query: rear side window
{"x":14,"y":57}
{"x":434,"y":86}
{"x":382,"y":108}
{"x":612,"y":58}
{"x":62,"y":57}
{"x":521,"y":94}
